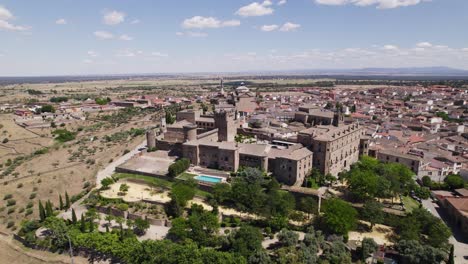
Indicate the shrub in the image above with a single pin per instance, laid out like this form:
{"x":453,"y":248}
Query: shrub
{"x":11,"y":202}
{"x":29,"y":211}
{"x":20,"y":185}
{"x":178,"y":167}
{"x":32,"y":196}
{"x":7,"y":196}
{"x":122,"y":207}
{"x":10,"y":224}
{"x":11,"y":210}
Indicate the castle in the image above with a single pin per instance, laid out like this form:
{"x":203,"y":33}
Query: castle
{"x":209,"y":141}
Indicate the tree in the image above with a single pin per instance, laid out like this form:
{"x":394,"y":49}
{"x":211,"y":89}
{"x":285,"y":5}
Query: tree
{"x":67,"y":201}
{"x":246,"y":241}
{"x":248,"y":191}
{"x":372,"y":212}
{"x":47,"y":109}
{"x":339,"y":216}
{"x":259,"y":257}
{"x":221,"y":192}
{"x":141,"y":225}
{"x":82,"y":224}
{"x":413,"y":252}
{"x":58,"y":232}
{"x":42,"y":213}
{"x":48,"y":209}
{"x":278,"y":203}
{"x":335,"y":251}
{"x":288,"y":238}
{"x":106,"y":182}
{"x":60,"y":202}
{"x":363,"y":184}
{"x":308,"y":205}
{"x":454,"y":181}
{"x":124,"y":188}
{"x":421,"y":225}
{"x":74,"y":219}
{"x":182,"y":192}
{"x":426,"y":181}
{"x":451,"y":259}
{"x":201,"y":227}
{"x":368,"y":247}
{"x":170,"y":119}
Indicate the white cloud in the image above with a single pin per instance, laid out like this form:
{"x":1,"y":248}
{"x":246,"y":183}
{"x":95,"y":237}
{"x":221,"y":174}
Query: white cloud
{"x":159,"y":54}
{"x":192,"y":34}
{"x":93,"y":53}
{"x":288,"y":26}
{"x":61,"y":21}
{"x":88,"y":61}
{"x":208,"y":22}
{"x":103,"y":35}
{"x":135,"y":21}
{"x":268,"y":28}
{"x":126,"y":53}
{"x":5,"y":16}
{"x":381,"y":4}
{"x":125,"y":37}
{"x":282,"y":2}
{"x":390,"y":47}
{"x":113,"y":18}
{"x":424,"y":45}
{"x":465,"y":49}
{"x":256,"y":9}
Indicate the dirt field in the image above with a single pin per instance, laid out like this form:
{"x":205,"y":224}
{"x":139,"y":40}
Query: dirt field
{"x":14,"y":253}
{"x":65,"y":167}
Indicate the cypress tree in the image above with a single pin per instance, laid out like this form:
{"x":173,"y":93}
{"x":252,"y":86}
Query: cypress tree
{"x":42,"y":214}
{"x":82,"y":224}
{"x":107,"y":229}
{"x":67,"y":201}
{"x":451,"y":259}
{"x":91,"y":225}
{"x":60,"y":202}
{"x":121,"y":232}
{"x":49,"y":210}
{"x":74,"y":216}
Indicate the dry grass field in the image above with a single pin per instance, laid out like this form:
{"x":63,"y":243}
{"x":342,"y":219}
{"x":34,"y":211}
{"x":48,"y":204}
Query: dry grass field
{"x":61,"y":167}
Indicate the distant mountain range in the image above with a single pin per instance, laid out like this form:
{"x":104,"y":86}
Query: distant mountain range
{"x":413,"y":71}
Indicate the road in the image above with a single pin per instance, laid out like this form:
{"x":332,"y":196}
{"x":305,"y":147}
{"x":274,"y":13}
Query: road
{"x":109,"y":169}
{"x":460,"y":243}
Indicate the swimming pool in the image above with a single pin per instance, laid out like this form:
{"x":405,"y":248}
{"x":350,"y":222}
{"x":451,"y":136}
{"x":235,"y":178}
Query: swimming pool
{"x":209,"y":179}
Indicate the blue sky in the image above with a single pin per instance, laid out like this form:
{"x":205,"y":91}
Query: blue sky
{"x":59,"y":37}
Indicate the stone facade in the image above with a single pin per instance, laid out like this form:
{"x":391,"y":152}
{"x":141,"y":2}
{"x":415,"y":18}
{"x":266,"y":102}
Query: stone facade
{"x":335,"y":148}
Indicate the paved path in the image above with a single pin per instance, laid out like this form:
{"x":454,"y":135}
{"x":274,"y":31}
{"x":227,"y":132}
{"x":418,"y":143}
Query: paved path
{"x":109,"y":169}
{"x":460,"y":243}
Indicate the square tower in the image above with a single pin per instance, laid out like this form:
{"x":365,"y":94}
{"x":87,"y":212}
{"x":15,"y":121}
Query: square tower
{"x":226,"y":124}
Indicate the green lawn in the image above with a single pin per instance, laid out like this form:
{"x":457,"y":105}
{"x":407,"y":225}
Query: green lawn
{"x":410,"y":204}
{"x":186,"y":176}
{"x":148,"y":179}
{"x":157,"y":181}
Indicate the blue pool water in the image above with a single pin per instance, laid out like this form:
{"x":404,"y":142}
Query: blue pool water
{"x":209,"y":179}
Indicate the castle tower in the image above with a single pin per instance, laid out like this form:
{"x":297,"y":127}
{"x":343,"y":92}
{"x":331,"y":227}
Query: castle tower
{"x":338,"y":118}
{"x":163,"y":125}
{"x":190,"y":132}
{"x":150,"y":139}
{"x":226,"y":124}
